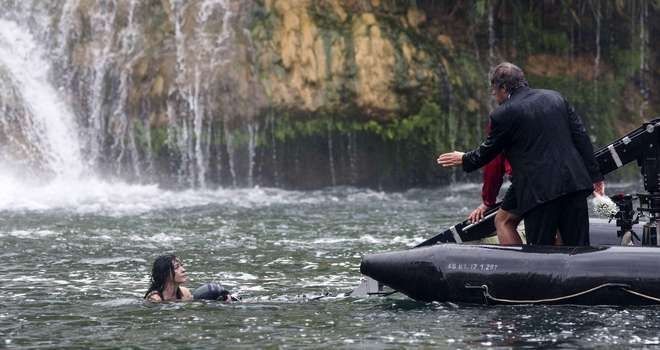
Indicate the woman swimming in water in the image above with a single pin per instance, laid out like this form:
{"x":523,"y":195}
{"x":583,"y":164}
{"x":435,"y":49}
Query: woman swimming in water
{"x":167,"y":277}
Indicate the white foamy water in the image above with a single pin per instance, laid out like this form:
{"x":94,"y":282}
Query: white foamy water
{"x":53,"y":130}
{"x":114,"y":260}
{"x":38,"y":234}
{"x":100,"y":197}
{"x":95,"y":196}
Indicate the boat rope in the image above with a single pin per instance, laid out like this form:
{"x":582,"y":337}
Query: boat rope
{"x":488,"y":296}
{"x":642,"y":295}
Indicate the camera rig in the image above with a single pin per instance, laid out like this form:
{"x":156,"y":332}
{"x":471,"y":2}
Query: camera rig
{"x":642,"y":145}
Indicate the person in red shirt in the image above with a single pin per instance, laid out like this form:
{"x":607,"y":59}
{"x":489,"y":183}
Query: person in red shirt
{"x":493,"y":178}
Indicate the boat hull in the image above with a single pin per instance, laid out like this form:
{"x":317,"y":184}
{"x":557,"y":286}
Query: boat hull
{"x":521,"y":274}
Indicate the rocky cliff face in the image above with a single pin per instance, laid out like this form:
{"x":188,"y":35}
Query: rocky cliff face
{"x":303,"y":93}
{"x":345,"y":58}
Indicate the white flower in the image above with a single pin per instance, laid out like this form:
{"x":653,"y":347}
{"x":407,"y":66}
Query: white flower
{"x":604,"y":206}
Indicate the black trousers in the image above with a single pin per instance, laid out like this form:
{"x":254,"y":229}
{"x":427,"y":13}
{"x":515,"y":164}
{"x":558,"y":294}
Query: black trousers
{"x":568,"y":213}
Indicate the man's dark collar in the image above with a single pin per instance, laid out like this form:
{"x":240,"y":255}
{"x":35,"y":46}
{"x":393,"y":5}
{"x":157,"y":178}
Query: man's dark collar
{"x":520,"y":89}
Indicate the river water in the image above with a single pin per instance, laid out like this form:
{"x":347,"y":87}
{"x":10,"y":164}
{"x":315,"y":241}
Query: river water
{"x":76,"y":257}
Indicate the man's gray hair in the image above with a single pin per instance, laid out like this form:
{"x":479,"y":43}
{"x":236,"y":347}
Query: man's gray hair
{"x":508,"y":76}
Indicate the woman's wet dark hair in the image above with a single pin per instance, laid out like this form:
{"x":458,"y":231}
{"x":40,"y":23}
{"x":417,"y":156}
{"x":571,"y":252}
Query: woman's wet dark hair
{"x":161,"y":272}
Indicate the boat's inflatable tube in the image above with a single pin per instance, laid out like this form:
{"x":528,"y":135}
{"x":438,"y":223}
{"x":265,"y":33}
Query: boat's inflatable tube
{"x":213,"y":291}
{"x":521,"y":274}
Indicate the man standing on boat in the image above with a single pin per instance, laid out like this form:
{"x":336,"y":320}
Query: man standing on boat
{"x":550,"y":154}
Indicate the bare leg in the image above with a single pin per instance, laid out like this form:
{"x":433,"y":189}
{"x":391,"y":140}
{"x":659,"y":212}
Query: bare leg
{"x":506,"y":225}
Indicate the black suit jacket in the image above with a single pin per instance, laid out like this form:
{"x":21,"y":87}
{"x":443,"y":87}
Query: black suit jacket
{"x":548,"y":148}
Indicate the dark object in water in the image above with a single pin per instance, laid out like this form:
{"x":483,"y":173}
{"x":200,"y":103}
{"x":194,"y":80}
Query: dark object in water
{"x":494,"y":274}
{"x":213,"y":291}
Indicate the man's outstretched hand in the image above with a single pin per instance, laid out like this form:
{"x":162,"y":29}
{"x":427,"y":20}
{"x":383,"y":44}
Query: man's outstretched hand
{"x":451,"y":159}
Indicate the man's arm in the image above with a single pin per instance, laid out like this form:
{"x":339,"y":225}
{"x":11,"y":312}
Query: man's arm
{"x":583,"y":144}
{"x":497,"y":139}
{"x":489,"y":149}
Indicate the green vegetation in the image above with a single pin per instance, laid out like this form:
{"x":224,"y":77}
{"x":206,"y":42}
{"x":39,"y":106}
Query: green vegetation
{"x":426,"y":127}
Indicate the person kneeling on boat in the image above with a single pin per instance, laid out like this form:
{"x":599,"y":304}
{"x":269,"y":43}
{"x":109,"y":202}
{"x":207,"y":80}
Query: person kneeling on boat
{"x":551,"y":158}
{"x":167,"y":277}
{"x":494,"y":172}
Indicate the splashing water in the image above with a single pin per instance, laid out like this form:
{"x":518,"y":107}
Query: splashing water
{"x":53,"y":129}
{"x":50,"y":130}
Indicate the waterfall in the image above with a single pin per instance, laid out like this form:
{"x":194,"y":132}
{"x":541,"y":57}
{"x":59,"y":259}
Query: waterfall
{"x":271,"y":123}
{"x":188,"y":140}
{"x":102,"y":30}
{"x":66,"y":22}
{"x":331,"y":158}
{"x":253,"y":130}
{"x":352,"y":157}
{"x":170,"y":91}
{"x":197,"y":110}
{"x":113,"y":67}
{"x":128,"y":39}
{"x":199,"y":54}
{"x":229,"y":141}
{"x":50,"y":126}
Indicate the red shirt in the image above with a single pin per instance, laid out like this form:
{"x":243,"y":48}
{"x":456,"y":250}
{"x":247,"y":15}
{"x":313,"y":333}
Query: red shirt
{"x":494,"y":173}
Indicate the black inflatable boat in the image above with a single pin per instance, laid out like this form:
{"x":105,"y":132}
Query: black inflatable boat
{"x":620,"y":268}
{"x":521,"y":274}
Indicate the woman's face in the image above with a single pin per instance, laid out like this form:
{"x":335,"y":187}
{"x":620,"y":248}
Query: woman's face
{"x":180,"y":276}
